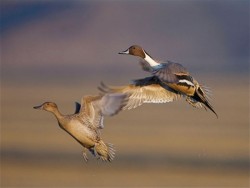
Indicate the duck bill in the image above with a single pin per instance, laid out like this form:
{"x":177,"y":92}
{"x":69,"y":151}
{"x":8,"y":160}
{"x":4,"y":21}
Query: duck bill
{"x":126,"y":52}
{"x":38,"y":107}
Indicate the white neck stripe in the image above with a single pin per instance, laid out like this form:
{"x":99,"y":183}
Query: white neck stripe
{"x":151,"y":62}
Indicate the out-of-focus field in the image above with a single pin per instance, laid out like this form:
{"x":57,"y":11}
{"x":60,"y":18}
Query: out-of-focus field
{"x":157,"y":145}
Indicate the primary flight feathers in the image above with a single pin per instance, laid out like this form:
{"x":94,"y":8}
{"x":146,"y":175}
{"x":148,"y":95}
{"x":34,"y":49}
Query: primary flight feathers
{"x":147,"y":90}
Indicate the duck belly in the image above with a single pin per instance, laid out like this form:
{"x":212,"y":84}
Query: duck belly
{"x":83,"y":134}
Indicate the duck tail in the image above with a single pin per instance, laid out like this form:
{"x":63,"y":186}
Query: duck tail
{"x":105,"y":151}
{"x":201,"y":96}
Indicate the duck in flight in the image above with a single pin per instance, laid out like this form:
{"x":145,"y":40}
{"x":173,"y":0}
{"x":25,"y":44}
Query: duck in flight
{"x":85,"y":124}
{"x":168,"y":82}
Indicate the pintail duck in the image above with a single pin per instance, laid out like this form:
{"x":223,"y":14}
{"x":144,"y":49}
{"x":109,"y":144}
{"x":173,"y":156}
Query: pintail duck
{"x":169,"y":81}
{"x":85,"y":124}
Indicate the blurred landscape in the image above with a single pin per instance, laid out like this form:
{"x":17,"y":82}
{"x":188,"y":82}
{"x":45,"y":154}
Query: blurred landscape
{"x":53,"y":51}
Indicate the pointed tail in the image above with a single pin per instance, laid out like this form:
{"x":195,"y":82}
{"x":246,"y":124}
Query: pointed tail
{"x":201,"y":96}
{"x":105,"y":151}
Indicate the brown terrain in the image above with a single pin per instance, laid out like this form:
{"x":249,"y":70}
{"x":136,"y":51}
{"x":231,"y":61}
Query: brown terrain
{"x":157,"y":145}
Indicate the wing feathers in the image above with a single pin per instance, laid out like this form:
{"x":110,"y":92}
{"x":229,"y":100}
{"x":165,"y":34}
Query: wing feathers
{"x":111,"y":104}
{"x":95,"y":107}
{"x":138,"y":95}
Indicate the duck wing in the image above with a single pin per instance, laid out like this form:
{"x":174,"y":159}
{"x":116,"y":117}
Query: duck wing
{"x":175,"y":76}
{"x":170,"y":72}
{"x":77,"y":107}
{"x":110,"y":104}
{"x":146,"y":90}
{"x":96,"y":107}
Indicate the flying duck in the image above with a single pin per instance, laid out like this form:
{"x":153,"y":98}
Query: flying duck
{"x":170,"y":80}
{"x":85,"y":124}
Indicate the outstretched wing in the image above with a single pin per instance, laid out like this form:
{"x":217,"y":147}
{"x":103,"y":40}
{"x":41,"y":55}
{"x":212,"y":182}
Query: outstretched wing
{"x":147,"y":90}
{"x":96,"y":107}
{"x":110,"y":104}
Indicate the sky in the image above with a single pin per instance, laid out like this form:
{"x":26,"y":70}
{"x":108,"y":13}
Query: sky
{"x":73,"y":37}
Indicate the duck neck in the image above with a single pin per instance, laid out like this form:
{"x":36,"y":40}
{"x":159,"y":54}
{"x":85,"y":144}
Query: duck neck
{"x":150,"y":60}
{"x":58,"y":115}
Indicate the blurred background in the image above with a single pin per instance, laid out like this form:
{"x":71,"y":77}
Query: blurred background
{"x":61,"y":50}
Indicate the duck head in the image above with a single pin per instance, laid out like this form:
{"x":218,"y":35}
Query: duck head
{"x":47,"y":106}
{"x":135,"y":50}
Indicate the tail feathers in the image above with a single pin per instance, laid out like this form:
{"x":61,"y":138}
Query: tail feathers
{"x":194,"y":102}
{"x":201,"y":97}
{"x":105,"y":151}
